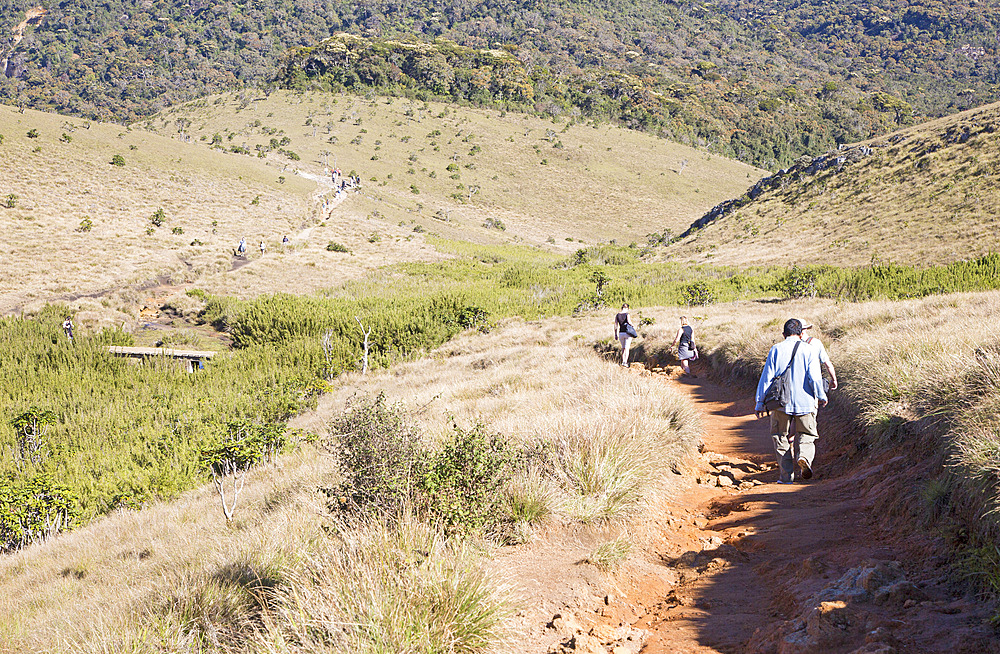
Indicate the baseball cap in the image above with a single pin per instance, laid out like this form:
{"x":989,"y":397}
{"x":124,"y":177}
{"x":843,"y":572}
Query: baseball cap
{"x":805,"y":324}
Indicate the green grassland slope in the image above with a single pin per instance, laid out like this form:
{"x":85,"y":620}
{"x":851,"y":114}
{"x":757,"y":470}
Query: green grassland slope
{"x":927,"y":194}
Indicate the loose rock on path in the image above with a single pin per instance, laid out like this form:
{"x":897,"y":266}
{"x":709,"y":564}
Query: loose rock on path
{"x":802,"y":568}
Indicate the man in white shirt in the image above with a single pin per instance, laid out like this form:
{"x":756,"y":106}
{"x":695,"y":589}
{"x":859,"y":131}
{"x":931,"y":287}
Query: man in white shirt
{"x":798,"y":415}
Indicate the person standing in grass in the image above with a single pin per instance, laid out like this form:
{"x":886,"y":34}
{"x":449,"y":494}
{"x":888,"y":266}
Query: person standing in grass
{"x":799,"y":412}
{"x":684,"y":342}
{"x":263,"y":248}
{"x":622,"y":323}
{"x":68,"y":327}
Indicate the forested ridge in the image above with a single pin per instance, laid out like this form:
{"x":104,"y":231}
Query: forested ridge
{"x":764,"y":82}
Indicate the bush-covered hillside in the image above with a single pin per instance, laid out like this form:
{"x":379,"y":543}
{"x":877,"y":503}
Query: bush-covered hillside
{"x":762,"y":84}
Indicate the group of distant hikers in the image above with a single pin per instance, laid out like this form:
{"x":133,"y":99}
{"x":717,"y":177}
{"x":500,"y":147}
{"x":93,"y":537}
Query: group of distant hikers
{"x":791,"y":388}
{"x":340,"y":183}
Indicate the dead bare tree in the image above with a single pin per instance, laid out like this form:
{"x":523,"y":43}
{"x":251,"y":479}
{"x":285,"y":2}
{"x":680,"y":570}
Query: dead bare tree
{"x":327,"y":343}
{"x":366,"y":332}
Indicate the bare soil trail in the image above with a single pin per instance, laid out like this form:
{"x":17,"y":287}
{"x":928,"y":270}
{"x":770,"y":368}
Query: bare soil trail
{"x":807,"y":567}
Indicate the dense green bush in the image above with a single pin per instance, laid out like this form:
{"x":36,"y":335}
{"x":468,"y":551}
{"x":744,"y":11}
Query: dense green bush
{"x":379,"y":455}
{"x":697,"y":294}
{"x":125,"y":434}
{"x":33,"y":509}
{"x":385,"y":465}
{"x":465,"y":481}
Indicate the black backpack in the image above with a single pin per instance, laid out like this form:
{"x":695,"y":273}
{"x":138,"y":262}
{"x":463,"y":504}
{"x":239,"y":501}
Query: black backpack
{"x":779,"y":393}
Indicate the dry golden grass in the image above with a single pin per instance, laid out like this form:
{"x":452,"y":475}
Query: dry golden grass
{"x":922,"y":197}
{"x":604,"y":183}
{"x":176,"y":577}
{"x":920,"y":375}
{"x":612,"y":433}
{"x":600,"y":183}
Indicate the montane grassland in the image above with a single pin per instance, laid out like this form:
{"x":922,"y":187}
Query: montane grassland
{"x":925,"y":194}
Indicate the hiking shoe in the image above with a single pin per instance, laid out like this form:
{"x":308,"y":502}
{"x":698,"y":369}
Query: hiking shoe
{"x":805,"y":471}
{"x":784,"y":481}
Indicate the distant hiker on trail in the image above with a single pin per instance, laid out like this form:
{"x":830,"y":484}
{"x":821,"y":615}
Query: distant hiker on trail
{"x":284,"y":239}
{"x":242,"y":247}
{"x":824,"y":358}
{"x":799,"y":409}
{"x":68,"y":327}
{"x":262,"y":248}
{"x":684,"y":342}
{"x":622,"y":333}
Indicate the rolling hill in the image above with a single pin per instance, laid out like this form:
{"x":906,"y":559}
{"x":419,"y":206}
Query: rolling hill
{"x":926,"y":194}
{"x":427,"y":169}
{"x":763,"y":84}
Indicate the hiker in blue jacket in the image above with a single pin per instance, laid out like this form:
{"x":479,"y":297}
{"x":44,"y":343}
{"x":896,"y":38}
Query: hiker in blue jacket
{"x":806,"y":394}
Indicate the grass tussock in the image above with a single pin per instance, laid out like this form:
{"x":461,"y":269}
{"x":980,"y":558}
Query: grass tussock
{"x":610,"y":555}
{"x":389,"y":585}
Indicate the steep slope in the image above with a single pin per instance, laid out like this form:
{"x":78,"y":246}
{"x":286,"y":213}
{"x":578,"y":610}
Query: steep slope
{"x":923,"y":195}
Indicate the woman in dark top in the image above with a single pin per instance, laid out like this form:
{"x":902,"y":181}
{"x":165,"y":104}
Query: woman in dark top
{"x":684,"y":341}
{"x":621,"y":320}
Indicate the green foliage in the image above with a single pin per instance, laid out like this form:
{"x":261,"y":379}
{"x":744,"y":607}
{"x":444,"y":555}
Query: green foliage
{"x":465,"y":480}
{"x":891,"y":281}
{"x":129,"y":433}
{"x":697,"y":294}
{"x":33,"y":134}
{"x":10,"y":201}
{"x":66,"y":138}
{"x":85,"y":225}
{"x":255,"y":201}
{"x":379,"y":454}
{"x":118,"y":160}
{"x":29,"y":429}
{"x":493,"y":222}
{"x":386,"y":466}
{"x":333,"y":246}
{"x":177,"y":230}
{"x":799,"y":283}
{"x":33,"y":509}
{"x":244,"y":446}
{"x":158,"y":218}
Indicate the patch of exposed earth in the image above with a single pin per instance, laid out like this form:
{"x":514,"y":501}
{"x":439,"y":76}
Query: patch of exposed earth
{"x":737,"y":563}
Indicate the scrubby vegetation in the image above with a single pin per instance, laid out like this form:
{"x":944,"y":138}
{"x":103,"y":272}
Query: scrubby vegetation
{"x":123,"y":435}
{"x":163,"y":419}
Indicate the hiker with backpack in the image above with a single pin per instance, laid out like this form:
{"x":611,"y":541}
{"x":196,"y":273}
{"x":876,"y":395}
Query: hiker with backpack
{"x":824,"y":358}
{"x":790,"y":390}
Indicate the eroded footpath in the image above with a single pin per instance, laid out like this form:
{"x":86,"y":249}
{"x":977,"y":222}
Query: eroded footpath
{"x":807,"y":567}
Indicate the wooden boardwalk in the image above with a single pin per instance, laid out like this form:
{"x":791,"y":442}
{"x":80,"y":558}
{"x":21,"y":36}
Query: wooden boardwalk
{"x":193,"y":358}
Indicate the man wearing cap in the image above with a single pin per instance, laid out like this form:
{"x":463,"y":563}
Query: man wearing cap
{"x":800,"y":411}
{"x":824,"y":358}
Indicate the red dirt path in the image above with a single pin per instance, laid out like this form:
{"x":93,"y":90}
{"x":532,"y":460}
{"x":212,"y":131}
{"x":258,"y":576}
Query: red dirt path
{"x":788,"y":548}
